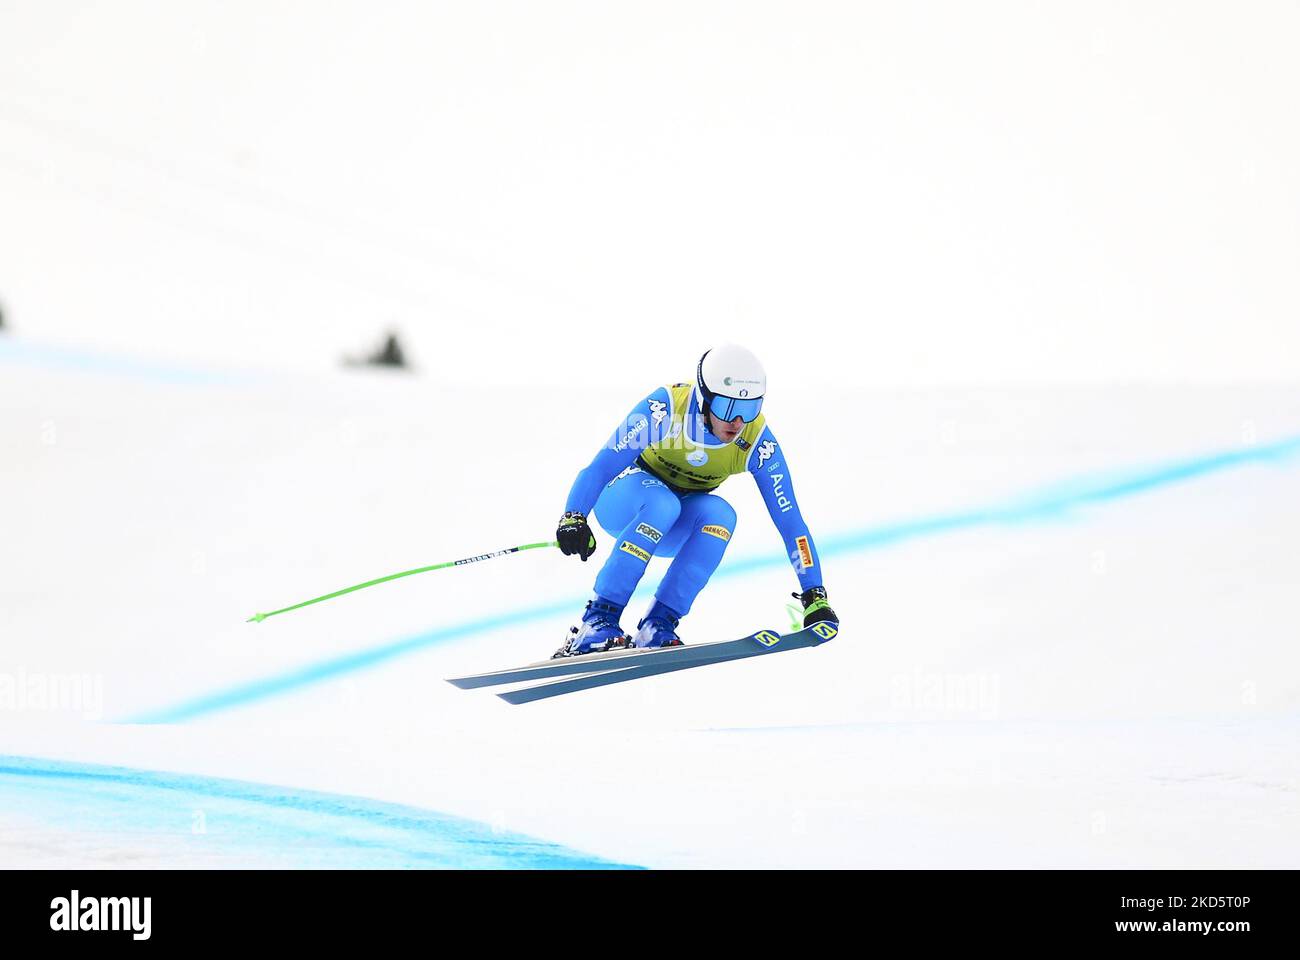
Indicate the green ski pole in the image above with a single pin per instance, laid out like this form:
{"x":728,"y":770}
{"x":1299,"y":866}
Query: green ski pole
{"x":259,"y":617}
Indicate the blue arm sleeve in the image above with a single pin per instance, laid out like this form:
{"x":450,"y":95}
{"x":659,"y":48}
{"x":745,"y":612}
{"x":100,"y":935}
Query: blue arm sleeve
{"x":772,"y":474}
{"x":634,"y":434}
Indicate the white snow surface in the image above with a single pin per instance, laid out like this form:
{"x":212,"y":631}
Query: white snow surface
{"x":1113,"y":683}
{"x":1069,"y":612}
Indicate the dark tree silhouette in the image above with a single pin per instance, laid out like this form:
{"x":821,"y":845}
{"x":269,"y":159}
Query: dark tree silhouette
{"x":390,"y":354}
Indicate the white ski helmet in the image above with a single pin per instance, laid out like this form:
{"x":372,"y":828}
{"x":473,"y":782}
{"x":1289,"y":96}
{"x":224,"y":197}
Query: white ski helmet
{"x":730,"y":382}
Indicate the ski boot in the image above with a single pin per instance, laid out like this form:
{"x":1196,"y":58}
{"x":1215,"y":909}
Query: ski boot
{"x":658,"y":628}
{"x":598,"y":632}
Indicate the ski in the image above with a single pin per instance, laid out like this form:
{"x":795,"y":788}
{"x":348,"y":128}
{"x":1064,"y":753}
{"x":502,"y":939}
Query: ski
{"x":598,"y":662}
{"x":586,"y":681}
{"x":621,"y":665}
{"x":562,"y":666}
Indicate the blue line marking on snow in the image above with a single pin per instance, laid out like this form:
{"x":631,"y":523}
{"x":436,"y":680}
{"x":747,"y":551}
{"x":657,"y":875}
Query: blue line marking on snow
{"x":325,"y":669}
{"x":216,"y":822}
{"x":1049,"y":502}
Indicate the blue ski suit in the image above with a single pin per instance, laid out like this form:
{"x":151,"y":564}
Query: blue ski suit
{"x":631,"y":485}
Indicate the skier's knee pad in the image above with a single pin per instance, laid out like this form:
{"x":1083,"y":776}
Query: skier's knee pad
{"x":639,"y":497}
{"x":660,"y":509}
{"x":716,"y":516}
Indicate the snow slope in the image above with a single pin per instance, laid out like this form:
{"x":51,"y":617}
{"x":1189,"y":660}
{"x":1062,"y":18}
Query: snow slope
{"x":1069,"y":624}
{"x":1069,"y":616}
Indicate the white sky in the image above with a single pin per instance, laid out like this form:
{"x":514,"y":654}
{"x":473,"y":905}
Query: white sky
{"x":865,"y":193}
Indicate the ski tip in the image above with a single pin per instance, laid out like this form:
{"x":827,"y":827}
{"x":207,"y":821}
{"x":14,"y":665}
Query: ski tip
{"x":256,"y":618}
{"x":470,"y":682}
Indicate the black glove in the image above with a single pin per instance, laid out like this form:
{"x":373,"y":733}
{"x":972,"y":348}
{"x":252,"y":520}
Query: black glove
{"x":815,"y":607}
{"x":574,"y":536}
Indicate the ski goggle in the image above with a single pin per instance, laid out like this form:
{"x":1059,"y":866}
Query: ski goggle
{"x":729,"y":408}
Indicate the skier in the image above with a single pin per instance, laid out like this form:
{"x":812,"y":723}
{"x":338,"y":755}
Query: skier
{"x":651,"y":486}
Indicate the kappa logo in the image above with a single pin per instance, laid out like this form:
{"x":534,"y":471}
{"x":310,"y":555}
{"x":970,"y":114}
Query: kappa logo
{"x":628,"y":547}
{"x":658,"y":410}
{"x":627,"y":472}
{"x":765,"y":451}
{"x":767,"y":638}
{"x":713,"y":530}
{"x":648,"y":532}
{"x":824,"y":629}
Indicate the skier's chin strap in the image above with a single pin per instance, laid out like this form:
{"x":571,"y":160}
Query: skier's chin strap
{"x":702,"y":414}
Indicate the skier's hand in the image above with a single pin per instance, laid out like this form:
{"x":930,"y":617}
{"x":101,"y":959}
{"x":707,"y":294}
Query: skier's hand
{"x":574,"y":536}
{"x":815,"y":607}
